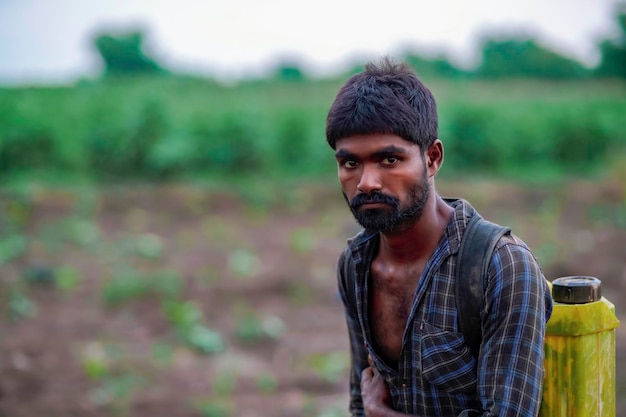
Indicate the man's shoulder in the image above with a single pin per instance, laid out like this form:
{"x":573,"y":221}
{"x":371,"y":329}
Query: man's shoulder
{"x":512,"y":242}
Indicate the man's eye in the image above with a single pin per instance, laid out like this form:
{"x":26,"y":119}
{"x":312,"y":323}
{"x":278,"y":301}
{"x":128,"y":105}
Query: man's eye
{"x":390,"y":161}
{"x":350,"y":163}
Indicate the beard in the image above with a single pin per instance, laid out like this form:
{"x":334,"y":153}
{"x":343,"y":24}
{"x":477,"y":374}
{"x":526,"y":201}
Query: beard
{"x":395,"y":216}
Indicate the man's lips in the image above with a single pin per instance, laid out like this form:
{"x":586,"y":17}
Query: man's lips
{"x":373,"y":201}
{"x":372,"y":205}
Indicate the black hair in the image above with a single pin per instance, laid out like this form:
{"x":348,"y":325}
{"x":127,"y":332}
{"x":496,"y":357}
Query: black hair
{"x":386,"y":98}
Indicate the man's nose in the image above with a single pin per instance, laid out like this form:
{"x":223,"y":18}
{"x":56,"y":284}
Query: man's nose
{"x":370,"y":180}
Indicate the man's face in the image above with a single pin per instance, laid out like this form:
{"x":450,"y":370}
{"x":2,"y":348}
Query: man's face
{"x":384,"y":180}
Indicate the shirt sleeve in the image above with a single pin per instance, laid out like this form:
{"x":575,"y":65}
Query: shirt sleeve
{"x":517,"y":307}
{"x":358,"y":352}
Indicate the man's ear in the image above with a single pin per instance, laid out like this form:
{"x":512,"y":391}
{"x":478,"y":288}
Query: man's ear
{"x":434,"y":157}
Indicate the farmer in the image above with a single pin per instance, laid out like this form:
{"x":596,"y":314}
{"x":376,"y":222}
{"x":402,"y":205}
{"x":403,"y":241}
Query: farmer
{"x":397,"y":277}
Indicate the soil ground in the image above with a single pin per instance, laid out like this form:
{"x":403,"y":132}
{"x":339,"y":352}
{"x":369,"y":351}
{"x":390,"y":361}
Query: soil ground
{"x":260,"y":271}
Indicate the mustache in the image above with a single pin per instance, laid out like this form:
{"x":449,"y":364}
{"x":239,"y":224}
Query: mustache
{"x":375,"y":197}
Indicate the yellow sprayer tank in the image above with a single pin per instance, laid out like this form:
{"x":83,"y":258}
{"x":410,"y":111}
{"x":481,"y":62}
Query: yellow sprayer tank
{"x":579,"y":351}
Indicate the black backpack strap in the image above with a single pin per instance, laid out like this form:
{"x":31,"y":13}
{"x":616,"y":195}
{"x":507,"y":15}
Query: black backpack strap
{"x":477,"y":246}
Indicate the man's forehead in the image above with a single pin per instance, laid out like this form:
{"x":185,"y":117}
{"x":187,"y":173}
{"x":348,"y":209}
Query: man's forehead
{"x":375,"y":143}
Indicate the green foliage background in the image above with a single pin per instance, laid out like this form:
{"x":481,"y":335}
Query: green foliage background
{"x":525,"y":110}
{"x":175,"y":128}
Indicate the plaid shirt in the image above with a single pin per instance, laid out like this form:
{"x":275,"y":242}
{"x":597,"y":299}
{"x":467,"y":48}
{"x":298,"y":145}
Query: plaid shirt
{"x":437,"y":375}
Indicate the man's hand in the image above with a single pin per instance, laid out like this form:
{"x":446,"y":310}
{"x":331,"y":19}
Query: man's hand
{"x":374,"y":392}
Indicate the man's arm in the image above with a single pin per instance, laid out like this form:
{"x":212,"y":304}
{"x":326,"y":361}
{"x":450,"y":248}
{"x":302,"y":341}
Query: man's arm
{"x":510,"y":364}
{"x":358,"y":362}
{"x":358,"y":353}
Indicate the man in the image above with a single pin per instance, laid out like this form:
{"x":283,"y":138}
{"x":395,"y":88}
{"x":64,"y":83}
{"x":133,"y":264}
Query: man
{"x":397,"y":277}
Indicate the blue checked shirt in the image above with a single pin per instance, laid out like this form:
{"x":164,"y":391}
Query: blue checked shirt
{"x":437,"y":375}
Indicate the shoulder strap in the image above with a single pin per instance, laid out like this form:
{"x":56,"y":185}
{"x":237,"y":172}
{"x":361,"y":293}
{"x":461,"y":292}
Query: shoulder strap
{"x":477,"y":246}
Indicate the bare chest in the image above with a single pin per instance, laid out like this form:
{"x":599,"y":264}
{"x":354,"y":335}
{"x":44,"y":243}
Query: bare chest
{"x":391,"y":299}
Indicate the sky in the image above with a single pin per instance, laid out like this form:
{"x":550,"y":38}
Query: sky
{"x":50,"y":41}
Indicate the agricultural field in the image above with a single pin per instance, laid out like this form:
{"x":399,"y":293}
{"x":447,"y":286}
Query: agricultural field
{"x":180,"y":129}
{"x":162,"y":300}
{"x":168,"y":246}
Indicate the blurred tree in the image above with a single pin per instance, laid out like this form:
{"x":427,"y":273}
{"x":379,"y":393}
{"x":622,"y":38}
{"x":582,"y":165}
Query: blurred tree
{"x":525,"y":58}
{"x":123,"y":55}
{"x":436,"y":67}
{"x":613,"y":53}
{"x":289,"y":71}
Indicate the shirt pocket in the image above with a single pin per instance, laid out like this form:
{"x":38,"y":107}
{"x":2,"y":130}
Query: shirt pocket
{"x":446,"y":361}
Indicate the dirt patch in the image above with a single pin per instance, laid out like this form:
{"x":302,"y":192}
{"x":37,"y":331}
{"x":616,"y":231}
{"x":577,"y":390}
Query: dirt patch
{"x":260,"y":274}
